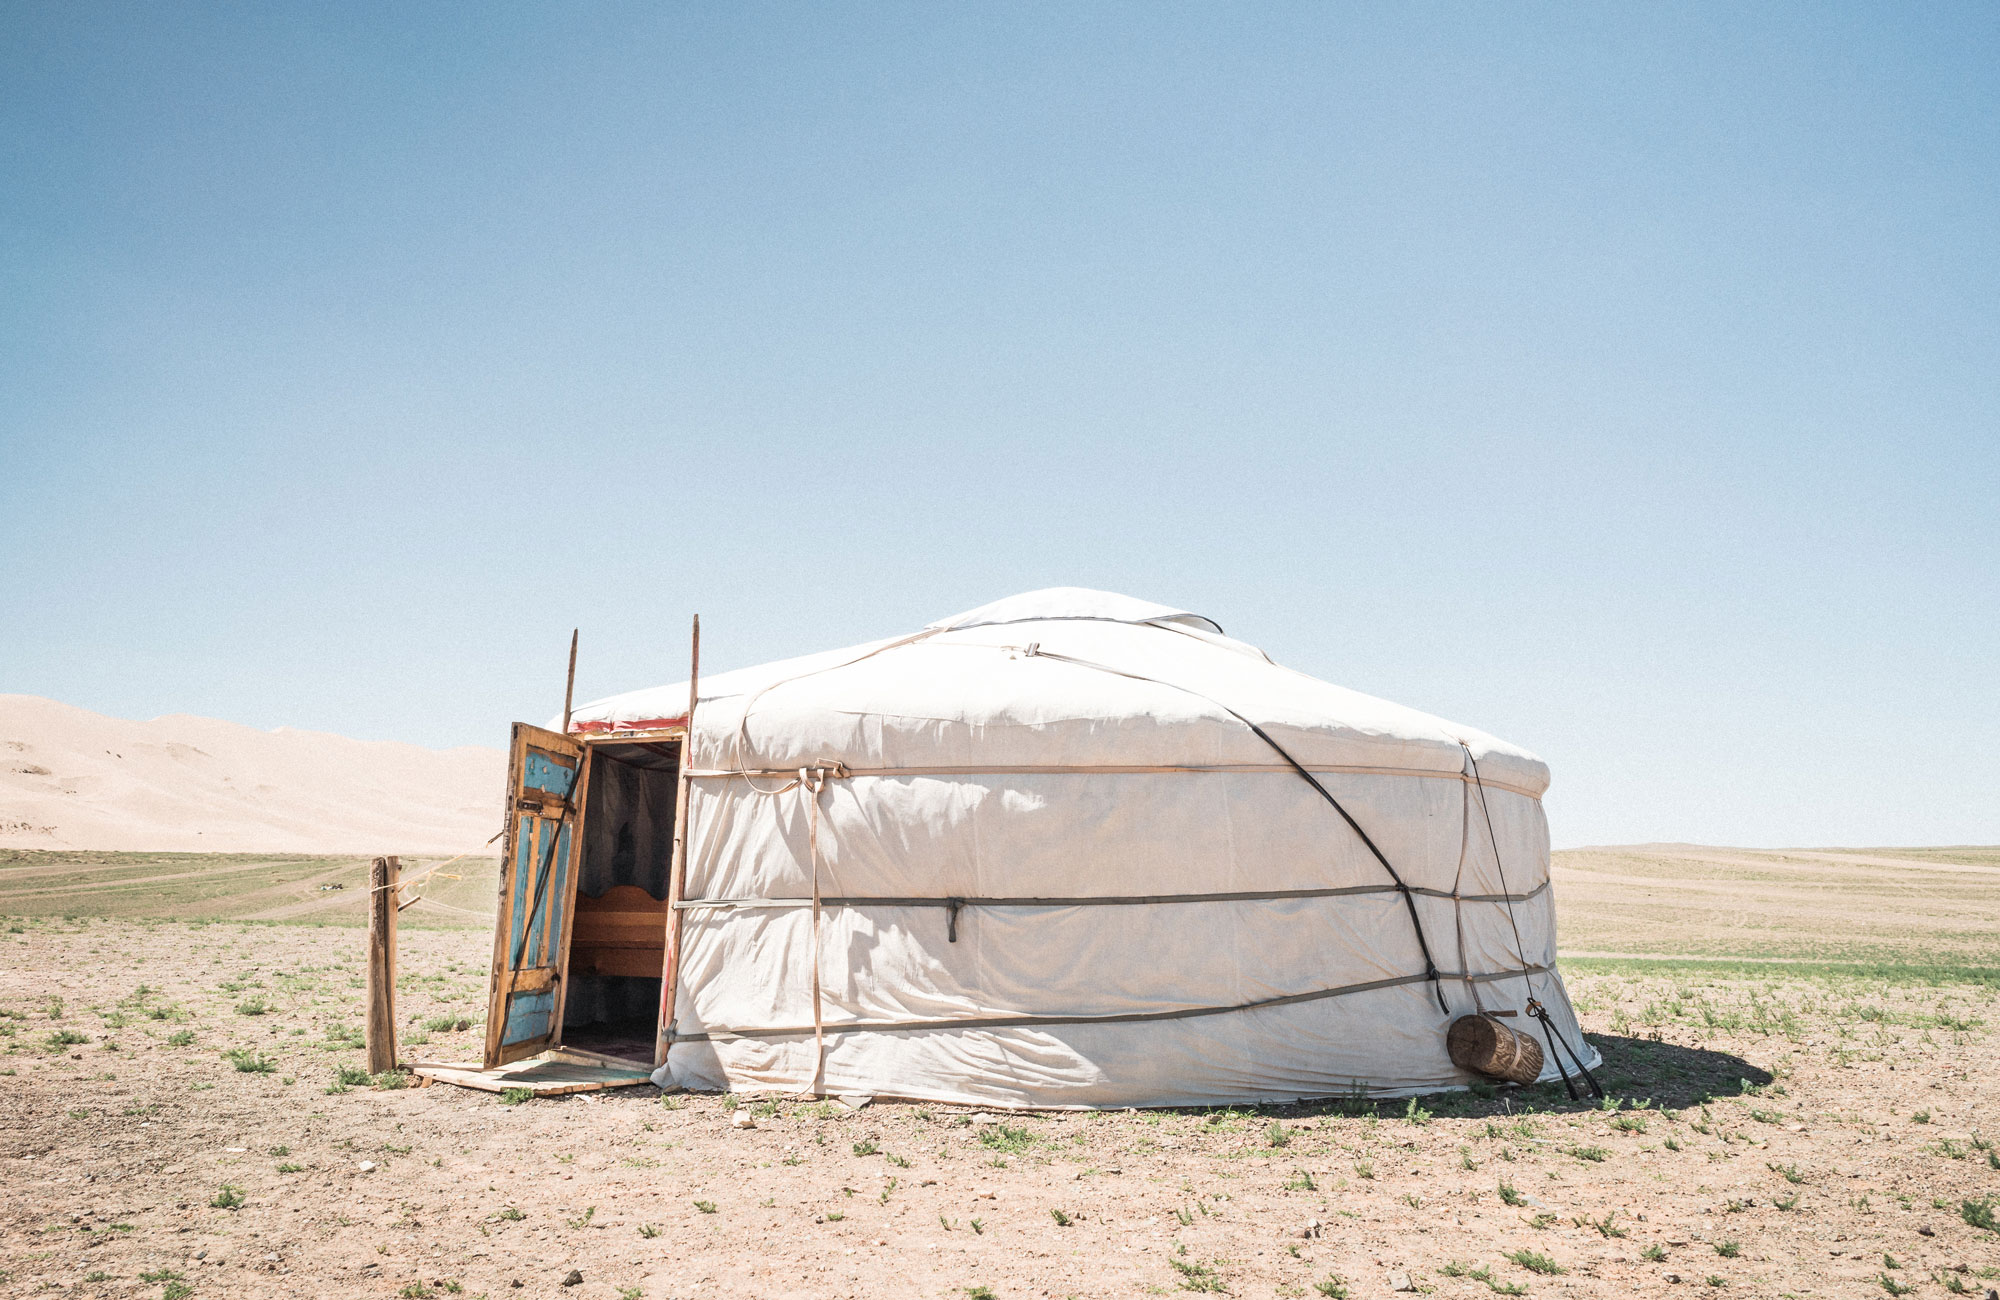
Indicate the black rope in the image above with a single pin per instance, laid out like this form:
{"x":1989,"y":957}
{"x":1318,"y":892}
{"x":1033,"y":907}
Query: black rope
{"x":1520,"y":948}
{"x":1030,"y":1020}
{"x":1423,"y":944}
{"x":1535,"y":1008}
{"x":956,"y":902}
{"x":1541,"y":1013}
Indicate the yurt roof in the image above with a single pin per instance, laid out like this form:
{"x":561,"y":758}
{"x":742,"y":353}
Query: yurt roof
{"x":1050,"y":680}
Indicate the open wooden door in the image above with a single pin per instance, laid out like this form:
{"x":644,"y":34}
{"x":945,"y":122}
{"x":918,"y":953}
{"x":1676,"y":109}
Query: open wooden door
{"x":545,"y":799}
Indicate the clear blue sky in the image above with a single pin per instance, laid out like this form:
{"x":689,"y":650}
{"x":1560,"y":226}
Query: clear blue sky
{"x":1622,"y":380}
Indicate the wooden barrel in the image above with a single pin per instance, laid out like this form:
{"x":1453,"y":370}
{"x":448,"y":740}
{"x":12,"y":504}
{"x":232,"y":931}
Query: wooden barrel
{"x":1483,"y":1045}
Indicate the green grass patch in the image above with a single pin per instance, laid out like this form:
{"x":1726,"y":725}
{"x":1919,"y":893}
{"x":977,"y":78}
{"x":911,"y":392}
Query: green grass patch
{"x":1535,"y":1262}
{"x":1002,"y":1137}
{"x":1892,"y":973}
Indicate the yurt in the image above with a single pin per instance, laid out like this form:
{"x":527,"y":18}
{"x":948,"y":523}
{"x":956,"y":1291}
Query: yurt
{"x":1069,"y":849}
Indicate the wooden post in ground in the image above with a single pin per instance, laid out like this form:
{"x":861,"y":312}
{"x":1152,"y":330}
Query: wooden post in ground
{"x":380,"y":1030}
{"x":677,"y":869}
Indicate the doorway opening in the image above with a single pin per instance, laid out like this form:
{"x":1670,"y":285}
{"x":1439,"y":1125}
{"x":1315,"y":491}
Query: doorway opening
{"x":618,"y":936}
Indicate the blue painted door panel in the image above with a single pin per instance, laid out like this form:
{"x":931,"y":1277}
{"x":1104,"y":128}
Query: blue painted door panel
{"x":537,"y":883}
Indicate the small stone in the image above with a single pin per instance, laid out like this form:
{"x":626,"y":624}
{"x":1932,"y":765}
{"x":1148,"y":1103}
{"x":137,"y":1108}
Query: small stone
{"x":367,"y":1166}
{"x":855,"y":1100}
{"x":1927,"y":1231}
{"x":1401,"y":1282}
{"x":742,"y":1119}
{"x":573,"y":1278}
{"x":1673,"y":1277}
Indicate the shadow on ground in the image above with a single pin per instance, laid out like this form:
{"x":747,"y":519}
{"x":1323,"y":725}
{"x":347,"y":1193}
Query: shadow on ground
{"x":1636,"y":1071}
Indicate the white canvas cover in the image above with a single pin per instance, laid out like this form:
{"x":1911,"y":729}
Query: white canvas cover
{"x":1058,"y":867}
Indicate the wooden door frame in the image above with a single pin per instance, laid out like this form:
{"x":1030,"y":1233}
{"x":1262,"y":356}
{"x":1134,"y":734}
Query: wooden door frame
{"x":679,"y":736}
{"x":670,"y":966}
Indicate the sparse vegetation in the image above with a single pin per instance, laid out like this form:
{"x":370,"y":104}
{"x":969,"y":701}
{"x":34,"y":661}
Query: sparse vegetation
{"x":1536,"y":1262}
{"x":1197,"y":1276}
{"x":1765,"y":1150}
{"x":249,"y":1061}
{"x":1001,"y":1137}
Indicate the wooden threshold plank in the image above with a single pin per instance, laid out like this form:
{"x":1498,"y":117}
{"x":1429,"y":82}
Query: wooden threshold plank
{"x":544,"y":1078}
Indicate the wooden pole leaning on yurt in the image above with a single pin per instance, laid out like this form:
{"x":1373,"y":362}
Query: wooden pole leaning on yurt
{"x":384,"y":879}
{"x":677,"y":870}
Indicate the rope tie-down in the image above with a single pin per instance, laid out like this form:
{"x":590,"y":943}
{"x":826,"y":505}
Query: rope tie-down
{"x":811,"y":781}
{"x":1431,"y":973}
{"x":1541,"y":1013}
{"x":1535,"y":1009}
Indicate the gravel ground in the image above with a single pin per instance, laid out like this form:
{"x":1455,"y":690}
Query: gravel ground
{"x":1775,"y":1134}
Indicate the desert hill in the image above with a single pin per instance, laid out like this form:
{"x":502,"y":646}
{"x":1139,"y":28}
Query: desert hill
{"x":73,"y":779}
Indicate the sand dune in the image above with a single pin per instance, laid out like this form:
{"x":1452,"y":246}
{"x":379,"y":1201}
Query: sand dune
{"x":72,"y":779}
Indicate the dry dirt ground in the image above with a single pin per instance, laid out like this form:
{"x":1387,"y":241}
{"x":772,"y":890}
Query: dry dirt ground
{"x":174,"y":1127}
